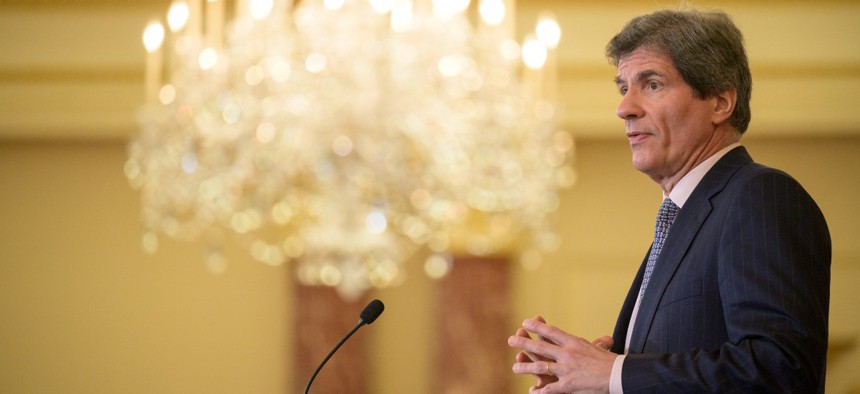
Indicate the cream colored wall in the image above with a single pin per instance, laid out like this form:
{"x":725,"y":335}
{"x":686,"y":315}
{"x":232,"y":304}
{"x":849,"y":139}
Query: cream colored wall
{"x":85,"y":310}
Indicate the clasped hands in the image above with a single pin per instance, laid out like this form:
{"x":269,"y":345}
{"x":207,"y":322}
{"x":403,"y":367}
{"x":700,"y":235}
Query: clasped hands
{"x":562,"y":363}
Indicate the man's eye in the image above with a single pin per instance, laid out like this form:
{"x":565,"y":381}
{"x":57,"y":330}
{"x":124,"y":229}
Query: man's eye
{"x":653,"y":85}
{"x":623,"y":90}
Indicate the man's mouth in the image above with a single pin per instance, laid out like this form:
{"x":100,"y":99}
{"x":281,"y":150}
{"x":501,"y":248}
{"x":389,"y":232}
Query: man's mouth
{"x":637,"y":136}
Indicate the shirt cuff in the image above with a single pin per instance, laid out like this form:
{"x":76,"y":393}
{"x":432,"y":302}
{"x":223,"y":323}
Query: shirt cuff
{"x":615,"y":376}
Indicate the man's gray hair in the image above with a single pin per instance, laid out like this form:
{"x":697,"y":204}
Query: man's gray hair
{"x":706,"y":48}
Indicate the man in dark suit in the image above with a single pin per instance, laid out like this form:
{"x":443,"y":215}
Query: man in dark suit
{"x":734,"y":293}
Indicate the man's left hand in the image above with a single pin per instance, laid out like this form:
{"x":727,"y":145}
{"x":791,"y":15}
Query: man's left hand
{"x":577,"y":363}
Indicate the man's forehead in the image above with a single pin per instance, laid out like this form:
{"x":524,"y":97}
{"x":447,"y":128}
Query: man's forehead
{"x":644,"y":60}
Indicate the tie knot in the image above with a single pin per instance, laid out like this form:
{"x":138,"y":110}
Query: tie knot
{"x":669,"y":207}
{"x":666,"y":216}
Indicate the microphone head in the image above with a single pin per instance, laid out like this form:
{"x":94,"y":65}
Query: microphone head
{"x":372,"y":311}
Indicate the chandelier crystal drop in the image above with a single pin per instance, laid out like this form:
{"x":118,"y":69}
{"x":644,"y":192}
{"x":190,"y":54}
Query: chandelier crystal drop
{"x":344,"y":135}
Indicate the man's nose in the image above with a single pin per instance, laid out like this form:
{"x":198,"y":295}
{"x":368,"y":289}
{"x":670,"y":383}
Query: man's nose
{"x":629,"y":106}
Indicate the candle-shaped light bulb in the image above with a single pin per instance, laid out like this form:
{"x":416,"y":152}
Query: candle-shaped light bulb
{"x":177,"y":16}
{"x":260,"y":9}
{"x":492,"y":12}
{"x":534,"y":53}
{"x":402,"y":16}
{"x":153,"y":36}
{"x":548,"y":31}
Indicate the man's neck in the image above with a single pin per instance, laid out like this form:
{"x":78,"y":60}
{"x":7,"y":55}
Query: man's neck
{"x":720,"y":140}
{"x":684,"y":188}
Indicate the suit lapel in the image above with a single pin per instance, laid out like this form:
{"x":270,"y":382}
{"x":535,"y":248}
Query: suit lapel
{"x":619,"y":335}
{"x":681,"y":235}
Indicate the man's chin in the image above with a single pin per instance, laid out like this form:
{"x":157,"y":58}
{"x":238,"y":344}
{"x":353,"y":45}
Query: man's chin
{"x":640,"y":162}
{"x":643,"y":164}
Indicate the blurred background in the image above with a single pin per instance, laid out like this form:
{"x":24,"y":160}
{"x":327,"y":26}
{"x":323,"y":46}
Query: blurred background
{"x":83,"y":309}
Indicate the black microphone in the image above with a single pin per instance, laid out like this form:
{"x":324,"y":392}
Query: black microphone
{"x":370,"y":313}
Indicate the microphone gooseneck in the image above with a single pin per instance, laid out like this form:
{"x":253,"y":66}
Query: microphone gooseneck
{"x":370,"y":313}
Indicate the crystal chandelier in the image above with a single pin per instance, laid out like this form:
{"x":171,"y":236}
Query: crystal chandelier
{"x":344,"y":135}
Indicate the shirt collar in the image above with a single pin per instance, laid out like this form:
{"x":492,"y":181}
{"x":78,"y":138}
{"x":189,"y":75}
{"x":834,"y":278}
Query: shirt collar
{"x":682,"y":191}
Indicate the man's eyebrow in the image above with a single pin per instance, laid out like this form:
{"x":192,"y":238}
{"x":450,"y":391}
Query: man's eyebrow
{"x":644,"y":74}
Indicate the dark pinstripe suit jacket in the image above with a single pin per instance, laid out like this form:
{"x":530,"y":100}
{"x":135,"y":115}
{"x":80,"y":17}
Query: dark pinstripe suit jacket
{"x":739,"y":298}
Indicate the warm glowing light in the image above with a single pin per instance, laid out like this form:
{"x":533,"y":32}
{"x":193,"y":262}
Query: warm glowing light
{"x":280,"y":70}
{"x":348,"y":138}
{"x":534,"y":53}
{"x":492,"y":11}
{"x":260,"y":9}
{"x":207,"y":59}
{"x":376,"y":222}
{"x":548,"y":31}
{"x":445,"y":9}
{"x":177,"y":16}
{"x":266,"y":133}
{"x":382,"y":6}
{"x":421,"y":199}
{"x":315,"y":63}
{"x":437,"y":266}
{"x":450,"y":66}
{"x":334,"y":5}
{"x":342,"y":146}
{"x":167,"y":94}
{"x":153,"y":36}
{"x":401,"y":16}
{"x":331,"y":275}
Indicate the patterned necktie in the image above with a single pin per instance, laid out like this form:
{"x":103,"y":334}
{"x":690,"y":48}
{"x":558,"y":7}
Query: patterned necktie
{"x":665,"y":218}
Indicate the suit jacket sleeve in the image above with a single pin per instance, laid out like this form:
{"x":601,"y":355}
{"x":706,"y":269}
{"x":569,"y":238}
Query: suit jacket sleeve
{"x":769,"y":248}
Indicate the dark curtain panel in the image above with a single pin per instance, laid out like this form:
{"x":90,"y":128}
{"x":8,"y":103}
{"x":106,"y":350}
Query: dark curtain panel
{"x":322,"y":319}
{"x":473,"y":318}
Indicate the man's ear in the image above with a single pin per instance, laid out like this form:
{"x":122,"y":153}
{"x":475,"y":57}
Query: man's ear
{"x":724,"y":105}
